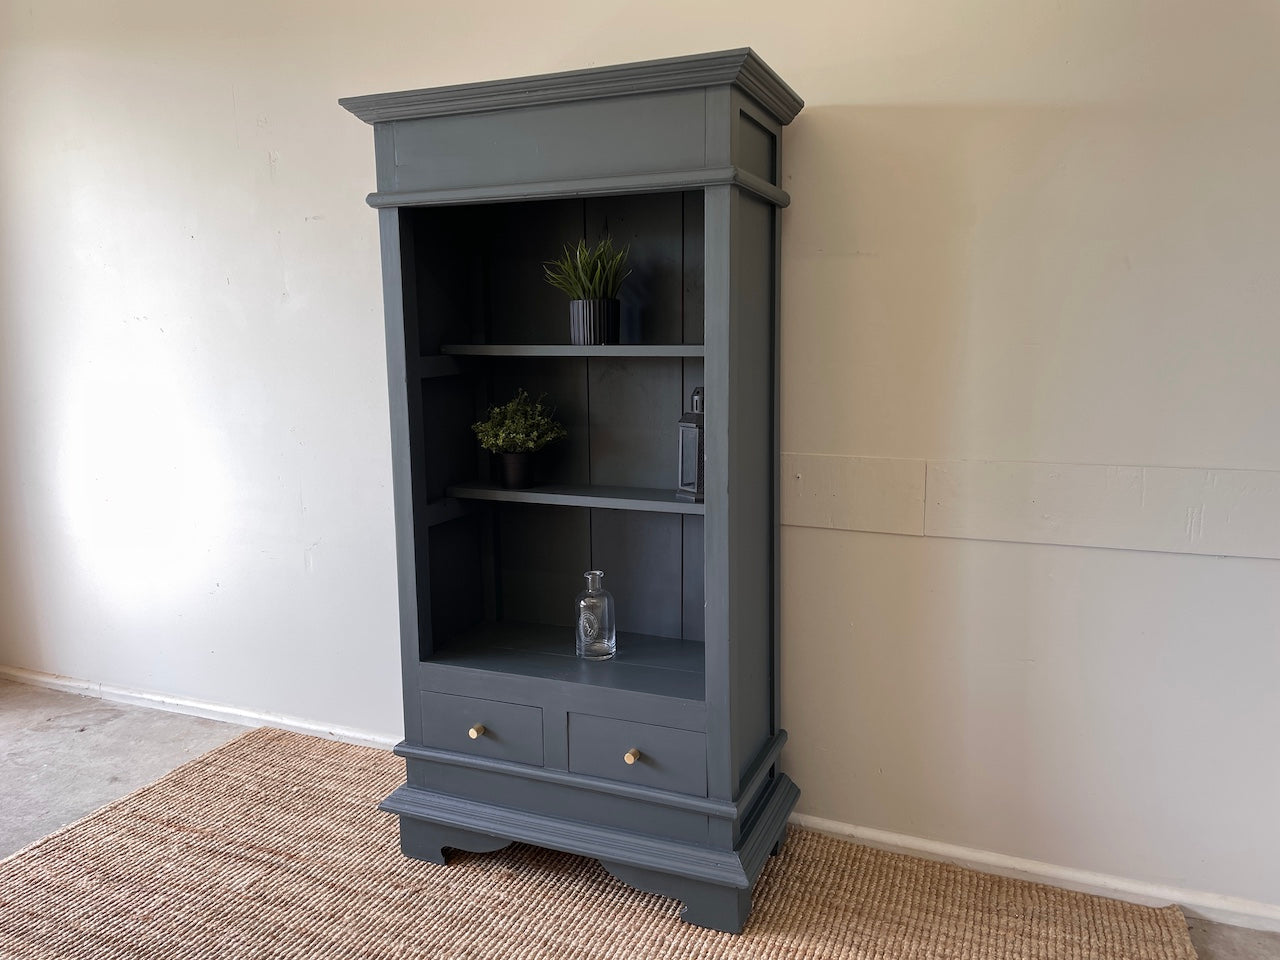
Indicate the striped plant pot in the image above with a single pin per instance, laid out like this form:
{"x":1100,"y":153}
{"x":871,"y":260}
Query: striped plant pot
{"x":593,"y":321}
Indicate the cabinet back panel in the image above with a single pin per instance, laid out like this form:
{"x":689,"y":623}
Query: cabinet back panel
{"x":447,"y":275}
{"x":476,"y":272}
{"x":653,"y":227}
{"x":621,"y":414}
{"x":454,"y":560}
{"x":695,"y":304}
{"x":449,"y":444}
{"x":642,"y":559}
{"x":563,"y":382}
{"x":693,"y":550}
{"x":692,"y":371}
{"x":652,"y":566}
{"x":635,"y":407}
{"x":542,"y":553}
{"x":520,"y":238}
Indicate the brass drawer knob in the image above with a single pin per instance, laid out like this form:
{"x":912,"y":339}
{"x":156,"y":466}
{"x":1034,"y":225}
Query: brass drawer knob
{"x":631,"y":756}
{"x":476,"y":732}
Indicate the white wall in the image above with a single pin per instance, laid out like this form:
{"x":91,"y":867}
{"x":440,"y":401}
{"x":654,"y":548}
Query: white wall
{"x":1022,"y":233}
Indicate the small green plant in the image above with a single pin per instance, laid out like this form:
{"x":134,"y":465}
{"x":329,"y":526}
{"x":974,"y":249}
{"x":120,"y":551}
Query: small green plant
{"x":589,"y":273}
{"x":521,"y":425}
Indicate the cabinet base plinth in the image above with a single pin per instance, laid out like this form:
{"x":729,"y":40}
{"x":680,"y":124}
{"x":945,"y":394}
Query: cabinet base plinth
{"x":421,"y":840}
{"x":713,"y":883}
{"x":705,"y":904}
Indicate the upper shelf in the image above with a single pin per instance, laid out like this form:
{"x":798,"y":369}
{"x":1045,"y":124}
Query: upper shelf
{"x":599,"y":497}
{"x":570,"y":350}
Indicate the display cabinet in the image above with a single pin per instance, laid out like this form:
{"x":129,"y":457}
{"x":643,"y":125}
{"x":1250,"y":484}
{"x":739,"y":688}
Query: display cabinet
{"x":662,"y":762}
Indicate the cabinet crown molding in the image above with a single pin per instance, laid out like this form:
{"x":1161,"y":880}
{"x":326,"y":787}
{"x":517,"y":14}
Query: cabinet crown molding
{"x":742,"y":68}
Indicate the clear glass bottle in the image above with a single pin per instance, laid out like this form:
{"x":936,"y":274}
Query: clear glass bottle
{"x":597,"y":636}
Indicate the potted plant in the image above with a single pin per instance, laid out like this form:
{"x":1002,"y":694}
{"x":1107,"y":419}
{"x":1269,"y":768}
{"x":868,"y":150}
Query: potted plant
{"x":592,"y":277}
{"x":516,"y":430}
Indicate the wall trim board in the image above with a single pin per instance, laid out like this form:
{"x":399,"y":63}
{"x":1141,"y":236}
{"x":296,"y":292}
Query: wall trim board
{"x":1235,"y":911}
{"x":1205,"y":512}
{"x":194,"y":708}
{"x":869,"y":494}
{"x":1210,"y":906}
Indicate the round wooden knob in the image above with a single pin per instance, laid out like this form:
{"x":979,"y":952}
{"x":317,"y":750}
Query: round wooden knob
{"x":476,"y":732}
{"x":631,"y":756}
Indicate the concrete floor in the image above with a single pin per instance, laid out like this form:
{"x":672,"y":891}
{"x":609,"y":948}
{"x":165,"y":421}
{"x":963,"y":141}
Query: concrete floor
{"x":63,"y":756}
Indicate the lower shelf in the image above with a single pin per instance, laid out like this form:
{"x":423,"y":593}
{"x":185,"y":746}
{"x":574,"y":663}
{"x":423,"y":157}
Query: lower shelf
{"x":564,"y":495}
{"x":660,"y":666}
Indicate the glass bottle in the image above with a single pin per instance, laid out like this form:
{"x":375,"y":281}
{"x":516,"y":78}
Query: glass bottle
{"x":597,"y":637}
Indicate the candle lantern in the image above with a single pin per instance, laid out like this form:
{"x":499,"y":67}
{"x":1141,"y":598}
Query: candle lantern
{"x":692,"y":451}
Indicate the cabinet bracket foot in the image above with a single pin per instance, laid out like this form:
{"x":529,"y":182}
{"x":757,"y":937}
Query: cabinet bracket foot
{"x":427,"y":841}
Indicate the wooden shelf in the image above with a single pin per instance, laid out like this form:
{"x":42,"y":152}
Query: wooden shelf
{"x":603,"y":498}
{"x":569,"y":350}
{"x":659,"y":666}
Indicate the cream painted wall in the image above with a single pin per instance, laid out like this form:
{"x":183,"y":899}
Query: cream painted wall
{"x":1020,"y":232}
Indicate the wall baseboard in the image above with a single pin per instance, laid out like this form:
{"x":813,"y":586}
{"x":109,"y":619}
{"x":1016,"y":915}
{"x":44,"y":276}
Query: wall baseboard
{"x":194,"y":708}
{"x":1195,"y":903}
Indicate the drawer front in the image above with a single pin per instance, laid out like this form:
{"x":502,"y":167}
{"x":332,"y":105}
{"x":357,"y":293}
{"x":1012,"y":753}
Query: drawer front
{"x":666,"y":758}
{"x":511,"y":731}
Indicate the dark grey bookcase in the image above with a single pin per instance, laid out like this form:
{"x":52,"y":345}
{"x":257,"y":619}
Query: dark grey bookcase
{"x":477,"y":186}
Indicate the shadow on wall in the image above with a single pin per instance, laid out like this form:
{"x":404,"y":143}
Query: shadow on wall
{"x":1028,"y":282}
{"x":17,"y":617}
{"x":1009,"y":282}
{"x":878,"y":290}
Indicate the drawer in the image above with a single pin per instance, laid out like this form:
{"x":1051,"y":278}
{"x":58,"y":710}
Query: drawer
{"x":665,"y":758}
{"x":511,"y":731}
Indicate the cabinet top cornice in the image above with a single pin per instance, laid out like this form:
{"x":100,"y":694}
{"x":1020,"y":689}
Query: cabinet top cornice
{"x":742,"y":68}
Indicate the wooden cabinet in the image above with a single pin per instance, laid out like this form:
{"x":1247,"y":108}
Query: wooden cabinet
{"x":661,"y":763}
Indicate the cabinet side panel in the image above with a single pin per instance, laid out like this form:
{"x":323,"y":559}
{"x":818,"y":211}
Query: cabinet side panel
{"x":717,"y":222}
{"x":756,"y":149}
{"x":752,"y":468}
{"x":393,"y":240}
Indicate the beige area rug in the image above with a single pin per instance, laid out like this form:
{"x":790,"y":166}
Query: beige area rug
{"x":271,"y":846}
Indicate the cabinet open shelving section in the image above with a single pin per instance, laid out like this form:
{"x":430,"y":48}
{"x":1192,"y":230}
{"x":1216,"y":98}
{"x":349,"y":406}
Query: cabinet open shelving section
{"x":508,"y":735}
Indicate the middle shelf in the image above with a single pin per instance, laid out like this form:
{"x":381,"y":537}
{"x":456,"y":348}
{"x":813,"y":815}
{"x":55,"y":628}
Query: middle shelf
{"x":566,"y":495}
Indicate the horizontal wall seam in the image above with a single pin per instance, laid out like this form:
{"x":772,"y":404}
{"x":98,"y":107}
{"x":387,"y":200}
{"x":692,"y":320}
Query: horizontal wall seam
{"x":1207,"y":512}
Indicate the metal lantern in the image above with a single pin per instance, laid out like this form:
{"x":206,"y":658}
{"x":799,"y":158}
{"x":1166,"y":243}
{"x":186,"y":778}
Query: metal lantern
{"x":692,"y":452}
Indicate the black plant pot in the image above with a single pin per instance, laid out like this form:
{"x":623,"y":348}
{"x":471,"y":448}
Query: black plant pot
{"x":593,"y":321}
{"x":516,"y":470}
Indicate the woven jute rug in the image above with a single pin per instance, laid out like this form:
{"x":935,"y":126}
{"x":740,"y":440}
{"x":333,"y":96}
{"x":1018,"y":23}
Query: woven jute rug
{"x":271,"y":846}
